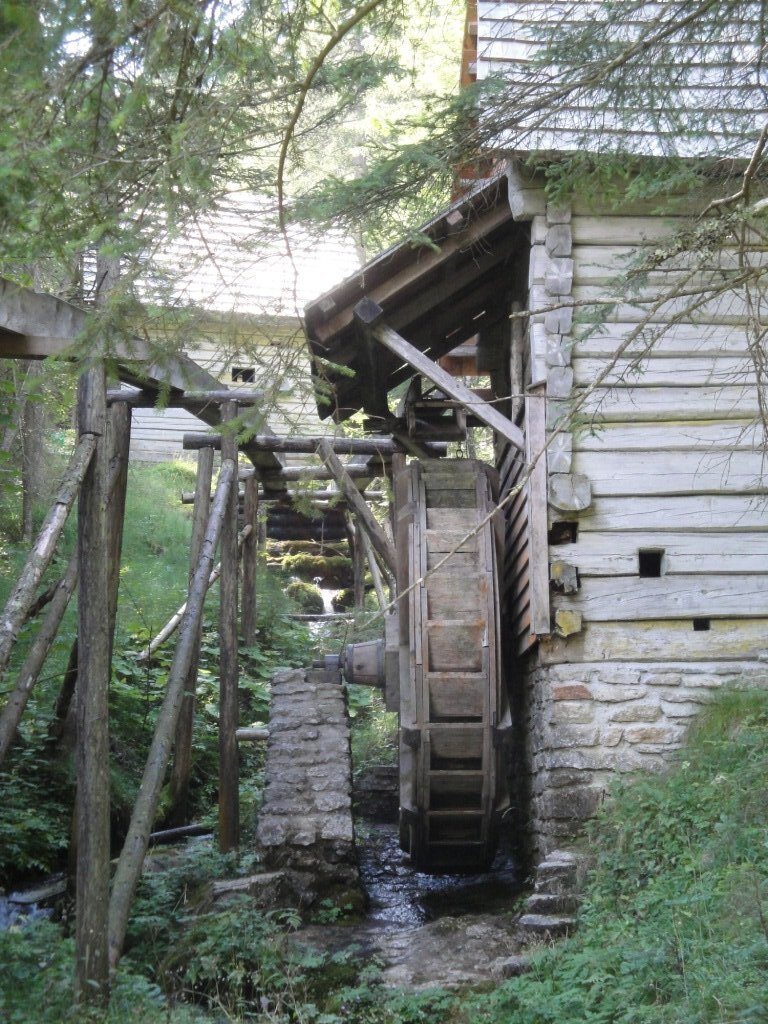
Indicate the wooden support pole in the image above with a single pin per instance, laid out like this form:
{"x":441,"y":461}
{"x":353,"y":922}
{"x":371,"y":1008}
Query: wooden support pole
{"x":358,"y":568}
{"x":369,"y":314}
{"x":23,"y":594}
{"x":538,"y":556}
{"x":379,"y":539}
{"x":119,"y":434}
{"x":249,"y":559}
{"x":92,"y":752}
{"x":147,"y":399}
{"x":229,"y":763}
{"x":182,"y":747}
{"x":252,"y":735}
{"x":132,"y":856}
{"x":38,"y":652}
{"x":378,"y":584}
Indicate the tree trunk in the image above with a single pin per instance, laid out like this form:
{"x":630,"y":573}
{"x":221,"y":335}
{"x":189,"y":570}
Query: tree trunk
{"x":229,"y":758}
{"x":182,"y":747}
{"x":32,"y":453}
{"x":92,"y":760}
{"x":132,"y":856}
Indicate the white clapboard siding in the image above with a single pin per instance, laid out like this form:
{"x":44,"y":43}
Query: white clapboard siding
{"x":689,"y":371}
{"x":646,"y":404}
{"x":614,"y":554}
{"x":681,"y":435}
{"x":665,"y":340}
{"x":622,"y":599}
{"x":698,"y":512}
{"x":659,"y":640}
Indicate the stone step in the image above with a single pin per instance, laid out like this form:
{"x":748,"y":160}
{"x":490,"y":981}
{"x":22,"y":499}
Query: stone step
{"x":551,"y":903}
{"x":547,"y":926}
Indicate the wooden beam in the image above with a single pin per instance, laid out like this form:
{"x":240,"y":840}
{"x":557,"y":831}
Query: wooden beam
{"x":369,"y":314}
{"x":308,"y":445}
{"x":229,"y":763}
{"x":149,"y":398}
{"x":340,"y":474}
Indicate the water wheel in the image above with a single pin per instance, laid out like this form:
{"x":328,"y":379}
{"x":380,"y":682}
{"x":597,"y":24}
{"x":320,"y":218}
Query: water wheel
{"x":453,"y":708}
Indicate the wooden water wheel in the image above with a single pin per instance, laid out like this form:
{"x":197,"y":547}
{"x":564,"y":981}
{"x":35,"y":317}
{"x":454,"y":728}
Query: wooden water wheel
{"x":453,"y":708}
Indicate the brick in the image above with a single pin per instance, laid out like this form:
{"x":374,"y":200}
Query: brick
{"x":571,"y":691}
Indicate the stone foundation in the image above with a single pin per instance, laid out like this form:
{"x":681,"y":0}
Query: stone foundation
{"x":305,"y":825}
{"x":585,"y":722}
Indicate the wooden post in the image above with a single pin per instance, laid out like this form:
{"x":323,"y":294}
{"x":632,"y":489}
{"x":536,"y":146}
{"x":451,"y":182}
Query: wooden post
{"x":229,"y":764}
{"x":249,"y":556}
{"x":357,"y":502}
{"x":536,"y":441}
{"x":132,"y":856}
{"x":23,"y":593}
{"x":378,"y":584}
{"x":92,"y":757}
{"x":358,"y":567}
{"x":182,"y":747}
{"x":119,"y":428}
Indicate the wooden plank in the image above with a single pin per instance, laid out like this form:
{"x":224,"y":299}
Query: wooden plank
{"x":452,"y":597}
{"x":657,"y":640}
{"x":455,"y":646}
{"x":668,"y":340}
{"x":670,"y":512}
{"x":455,"y":695}
{"x":538,"y":567}
{"x":340,"y":474}
{"x":649,"y":473}
{"x":681,"y":371}
{"x":645,"y":405}
{"x":675,"y":435}
{"x":615,"y":554}
{"x":669,"y":597}
{"x":448,"y":384}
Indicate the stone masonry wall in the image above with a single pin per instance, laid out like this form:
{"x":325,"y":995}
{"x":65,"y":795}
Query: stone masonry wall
{"x":587,"y":721}
{"x":305,"y":824}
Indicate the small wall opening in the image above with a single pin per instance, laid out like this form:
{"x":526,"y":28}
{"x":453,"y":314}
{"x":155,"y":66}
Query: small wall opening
{"x":244,"y":374}
{"x":562,"y":532}
{"x":650,"y":562}
{"x":701,"y":625}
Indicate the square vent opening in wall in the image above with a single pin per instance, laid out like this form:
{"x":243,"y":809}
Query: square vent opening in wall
{"x":650,"y":562}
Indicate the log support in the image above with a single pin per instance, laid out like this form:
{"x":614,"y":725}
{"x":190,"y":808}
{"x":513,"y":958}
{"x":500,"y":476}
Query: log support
{"x":249,"y":562}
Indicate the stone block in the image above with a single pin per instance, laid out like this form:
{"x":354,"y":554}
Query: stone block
{"x":568,"y":621}
{"x":611,"y":736}
{"x":660,"y":679}
{"x":577,"y":804}
{"x":612,"y":694}
{"x":635,"y":711}
{"x":571,"y":736}
{"x":656,"y":734}
{"x":571,"y":691}
{"x":572,"y":712}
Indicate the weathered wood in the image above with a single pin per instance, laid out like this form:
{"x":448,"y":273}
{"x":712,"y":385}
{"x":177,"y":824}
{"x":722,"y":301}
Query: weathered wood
{"x":615,"y":554}
{"x":692,"y":472}
{"x":249,"y":563}
{"x":340,"y":474}
{"x":373,"y":565}
{"x":536,"y":456}
{"x":143,"y":399}
{"x":659,"y":640}
{"x":358,"y":568}
{"x":23,"y":593}
{"x":92,"y":750}
{"x":182,"y":746}
{"x":308,"y":445}
{"x":449,"y":385}
{"x":690,"y":371}
{"x":119,"y":435}
{"x":170,"y":835}
{"x":569,"y":492}
{"x":325,"y":496}
{"x":251,"y":735}
{"x":229,"y":761}
{"x":132,"y":856}
{"x":726,"y":512}
{"x":38,"y":652}
{"x":706,"y":436}
{"x":669,"y":597}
